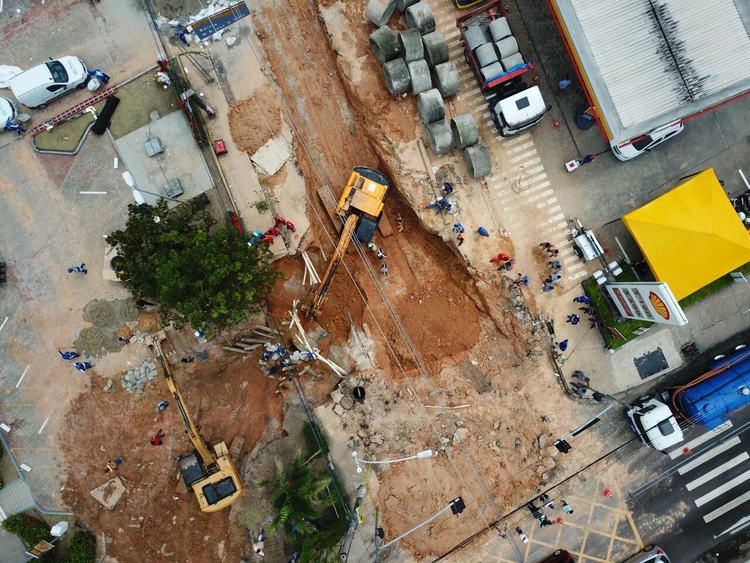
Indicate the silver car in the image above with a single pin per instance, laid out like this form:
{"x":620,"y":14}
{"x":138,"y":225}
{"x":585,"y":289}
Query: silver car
{"x":649,"y":554}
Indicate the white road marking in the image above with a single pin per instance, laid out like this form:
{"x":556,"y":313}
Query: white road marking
{"x":717,"y":492}
{"x":703,"y":458}
{"x":705,"y":437}
{"x":726,"y":508}
{"x":3,"y":325}
{"x":23,"y":375}
{"x":46,"y":420}
{"x":718,"y":471}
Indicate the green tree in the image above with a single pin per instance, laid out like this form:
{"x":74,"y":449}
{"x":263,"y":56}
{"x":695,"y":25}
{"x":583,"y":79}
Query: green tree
{"x":297,"y":494}
{"x":211,"y":279}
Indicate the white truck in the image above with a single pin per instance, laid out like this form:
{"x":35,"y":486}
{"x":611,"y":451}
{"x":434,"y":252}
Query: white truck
{"x":654,"y":423}
{"x":492,"y":51}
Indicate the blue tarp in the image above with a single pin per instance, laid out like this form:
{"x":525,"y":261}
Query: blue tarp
{"x":205,"y":28}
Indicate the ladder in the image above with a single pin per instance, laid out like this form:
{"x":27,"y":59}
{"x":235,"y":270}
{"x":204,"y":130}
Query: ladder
{"x":106,"y":93}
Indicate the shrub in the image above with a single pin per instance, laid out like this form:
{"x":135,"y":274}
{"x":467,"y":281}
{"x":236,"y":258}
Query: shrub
{"x":30,"y":530}
{"x":82,"y":548}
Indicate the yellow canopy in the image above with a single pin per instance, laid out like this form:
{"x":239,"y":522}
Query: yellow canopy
{"x":691,"y":235}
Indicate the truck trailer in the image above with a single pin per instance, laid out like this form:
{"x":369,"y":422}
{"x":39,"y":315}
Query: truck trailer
{"x":492,"y":50}
{"x":707,"y":401}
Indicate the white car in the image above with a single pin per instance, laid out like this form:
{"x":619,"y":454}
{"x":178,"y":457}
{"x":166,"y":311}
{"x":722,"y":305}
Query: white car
{"x":638,"y":146}
{"x":649,"y":554}
{"x":42,"y":83}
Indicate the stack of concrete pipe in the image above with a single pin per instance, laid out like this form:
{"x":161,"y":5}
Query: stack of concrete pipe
{"x":416,"y":61}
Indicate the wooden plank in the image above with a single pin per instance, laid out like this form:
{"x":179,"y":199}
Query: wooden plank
{"x":253,"y":341}
{"x":385,"y":227}
{"x":328,"y":199}
{"x":232,"y":349}
{"x":236,"y":448}
{"x":262,"y":328}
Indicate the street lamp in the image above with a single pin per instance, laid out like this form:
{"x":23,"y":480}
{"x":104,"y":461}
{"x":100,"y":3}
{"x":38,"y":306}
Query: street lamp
{"x":421,"y":455}
{"x":456,"y":506}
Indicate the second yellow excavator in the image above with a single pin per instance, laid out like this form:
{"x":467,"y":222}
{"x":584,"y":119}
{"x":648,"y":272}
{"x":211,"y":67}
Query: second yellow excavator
{"x":211,"y":475}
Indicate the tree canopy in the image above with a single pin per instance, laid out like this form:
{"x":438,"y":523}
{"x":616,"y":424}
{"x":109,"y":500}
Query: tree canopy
{"x":209,"y":278}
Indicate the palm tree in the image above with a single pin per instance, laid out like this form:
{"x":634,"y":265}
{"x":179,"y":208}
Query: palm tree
{"x":296,"y":495}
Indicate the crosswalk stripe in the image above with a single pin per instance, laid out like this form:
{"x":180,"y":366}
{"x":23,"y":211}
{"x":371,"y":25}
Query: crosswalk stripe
{"x":731,"y":505}
{"x":705,"y":437}
{"x":708,"y":497}
{"x":582,"y":274}
{"x":703,"y":458}
{"x":718,"y":471}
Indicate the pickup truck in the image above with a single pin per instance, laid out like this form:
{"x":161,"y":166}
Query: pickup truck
{"x":494,"y":55}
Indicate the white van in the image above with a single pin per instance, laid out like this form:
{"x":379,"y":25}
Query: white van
{"x":41,"y":84}
{"x":8,"y":110}
{"x":645,"y":143}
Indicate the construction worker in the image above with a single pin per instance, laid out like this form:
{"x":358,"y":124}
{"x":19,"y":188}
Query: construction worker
{"x":113,"y":465}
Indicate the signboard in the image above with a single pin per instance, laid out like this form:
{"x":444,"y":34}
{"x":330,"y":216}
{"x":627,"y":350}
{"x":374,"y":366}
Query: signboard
{"x":205,"y":28}
{"x":646,"y":301}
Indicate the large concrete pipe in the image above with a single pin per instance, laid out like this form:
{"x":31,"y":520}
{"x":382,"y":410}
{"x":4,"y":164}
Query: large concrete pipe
{"x":380,"y":11}
{"x":419,"y":73}
{"x":419,"y":16}
{"x":384,"y":43}
{"x":474,"y":37}
{"x":465,"y":131}
{"x":478,"y":160}
{"x":397,"y":78}
{"x":446,"y":79}
{"x":431,"y":106}
{"x":439,"y":137}
{"x":435,"y":48}
{"x":411,"y":45}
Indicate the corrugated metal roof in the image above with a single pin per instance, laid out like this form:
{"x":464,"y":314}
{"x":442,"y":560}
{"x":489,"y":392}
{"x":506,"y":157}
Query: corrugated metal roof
{"x":649,"y":59}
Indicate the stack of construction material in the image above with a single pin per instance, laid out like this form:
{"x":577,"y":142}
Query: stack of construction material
{"x":136,"y":379}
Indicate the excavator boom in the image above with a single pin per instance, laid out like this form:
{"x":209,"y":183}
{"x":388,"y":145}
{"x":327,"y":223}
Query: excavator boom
{"x":211,"y":475}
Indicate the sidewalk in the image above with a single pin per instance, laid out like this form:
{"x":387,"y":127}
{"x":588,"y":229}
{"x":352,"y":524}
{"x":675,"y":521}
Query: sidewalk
{"x":710,"y":322}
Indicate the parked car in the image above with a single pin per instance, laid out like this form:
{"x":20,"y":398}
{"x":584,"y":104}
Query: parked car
{"x":649,"y":554}
{"x":559,"y":556}
{"x":41,"y":84}
{"x":637,"y":147}
{"x":8,"y":110}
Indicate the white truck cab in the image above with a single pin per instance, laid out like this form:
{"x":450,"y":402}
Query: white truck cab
{"x":654,"y":423}
{"x":519,"y":112}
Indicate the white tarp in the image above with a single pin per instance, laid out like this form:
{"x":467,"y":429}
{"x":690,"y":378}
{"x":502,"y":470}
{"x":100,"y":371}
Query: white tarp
{"x":6,"y":73}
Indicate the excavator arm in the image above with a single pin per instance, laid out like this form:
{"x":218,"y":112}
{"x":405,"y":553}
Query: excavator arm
{"x":316,"y":306}
{"x":211,"y":475}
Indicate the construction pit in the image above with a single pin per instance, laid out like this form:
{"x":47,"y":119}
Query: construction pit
{"x":453,"y":355}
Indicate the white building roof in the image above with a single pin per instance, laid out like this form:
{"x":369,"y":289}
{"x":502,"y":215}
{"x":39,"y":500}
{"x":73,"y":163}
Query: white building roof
{"x":650,"y":63}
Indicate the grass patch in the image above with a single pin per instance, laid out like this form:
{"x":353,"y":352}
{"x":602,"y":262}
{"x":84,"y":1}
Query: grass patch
{"x":137,"y":100}
{"x":626,"y":327}
{"x":713,"y":287}
{"x":82,"y":548}
{"x":30,"y":530}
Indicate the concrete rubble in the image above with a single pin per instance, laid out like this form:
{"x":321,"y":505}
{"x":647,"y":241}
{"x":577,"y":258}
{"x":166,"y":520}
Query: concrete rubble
{"x":136,"y":379}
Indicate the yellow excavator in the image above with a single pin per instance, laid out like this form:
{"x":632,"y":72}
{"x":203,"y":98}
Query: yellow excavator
{"x":211,"y":475}
{"x":360,"y":207}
